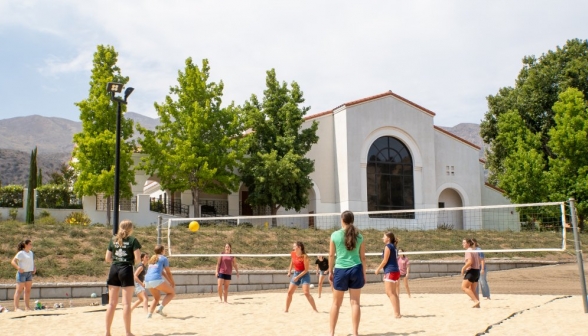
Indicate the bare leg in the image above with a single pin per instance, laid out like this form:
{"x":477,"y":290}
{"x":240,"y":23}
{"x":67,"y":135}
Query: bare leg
{"x":335,"y":306}
{"x":112,"y":302}
{"x":169,"y":291}
{"x":219,"y":288}
{"x":475,"y":290}
{"x":354,"y":295}
{"x":156,"y":296}
{"x":320,"y":284}
{"x":226,"y":289}
{"x":27,"y":294}
{"x":306,"y":291}
{"x":405,"y":286}
{"x":466,"y":286}
{"x":392,"y":292}
{"x":138,"y":302}
{"x":126,"y":300}
{"x":291,"y":291}
{"x":19,"y":289}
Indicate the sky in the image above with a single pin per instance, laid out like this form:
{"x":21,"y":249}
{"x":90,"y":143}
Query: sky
{"x":446,"y":56}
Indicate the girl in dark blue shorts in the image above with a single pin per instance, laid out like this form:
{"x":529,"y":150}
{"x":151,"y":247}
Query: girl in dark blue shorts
{"x":347,"y":272}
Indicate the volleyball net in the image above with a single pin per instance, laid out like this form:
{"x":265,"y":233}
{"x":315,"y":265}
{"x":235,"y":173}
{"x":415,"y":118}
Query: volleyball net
{"x":420,"y":231}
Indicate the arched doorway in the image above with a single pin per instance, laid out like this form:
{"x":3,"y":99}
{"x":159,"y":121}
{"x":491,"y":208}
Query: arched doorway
{"x":450,"y":198}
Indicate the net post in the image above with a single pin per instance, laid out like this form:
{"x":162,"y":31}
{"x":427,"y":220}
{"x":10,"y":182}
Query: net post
{"x":579,"y":254}
{"x":159,"y":223}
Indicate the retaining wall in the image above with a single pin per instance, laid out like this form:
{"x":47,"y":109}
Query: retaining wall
{"x":205,"y":281}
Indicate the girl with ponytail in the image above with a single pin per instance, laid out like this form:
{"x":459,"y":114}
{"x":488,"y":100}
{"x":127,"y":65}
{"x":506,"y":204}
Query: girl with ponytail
{"x":155,"y":280}
{"x":123,"y":252}
{"x":348,"y":270}
{"x":391,"y":271}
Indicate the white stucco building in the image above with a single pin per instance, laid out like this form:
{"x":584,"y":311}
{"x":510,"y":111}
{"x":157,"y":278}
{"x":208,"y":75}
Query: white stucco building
{"x":379,"y":153}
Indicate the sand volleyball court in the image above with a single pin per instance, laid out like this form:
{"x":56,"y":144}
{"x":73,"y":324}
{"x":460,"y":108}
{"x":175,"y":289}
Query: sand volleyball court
{"x":445,"y":311}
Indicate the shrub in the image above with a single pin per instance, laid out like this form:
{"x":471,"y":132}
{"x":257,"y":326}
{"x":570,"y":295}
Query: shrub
{"x":78,"y":218}
{"x":56,"y":196}
{"x":44,"y":214}
{"x":12,"y":213}
{"x":47,"y":220}
{"x":11,"y":196}
{"x":444,"y":226}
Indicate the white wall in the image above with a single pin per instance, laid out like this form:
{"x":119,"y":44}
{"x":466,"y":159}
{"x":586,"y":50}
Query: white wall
{"x":387,"y":116}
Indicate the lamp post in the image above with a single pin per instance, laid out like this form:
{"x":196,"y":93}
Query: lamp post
{"x":113,"y":88}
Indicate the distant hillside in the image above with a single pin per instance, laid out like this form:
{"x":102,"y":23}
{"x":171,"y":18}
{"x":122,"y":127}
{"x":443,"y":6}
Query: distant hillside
{"x":14,"y":165}
{"x":52,"y":136}
{"x":469,"y":132}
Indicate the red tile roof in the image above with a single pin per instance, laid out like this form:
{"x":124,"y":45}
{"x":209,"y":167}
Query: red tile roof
{"x":494,"y":187}
{"x":458,"y":138}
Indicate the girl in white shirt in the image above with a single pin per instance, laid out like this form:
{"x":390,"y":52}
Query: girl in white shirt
{"x":24,"y":263}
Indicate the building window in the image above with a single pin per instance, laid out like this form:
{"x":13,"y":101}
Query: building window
{"x":441,"y":205}
{"x":450,"y":170}
{"x":390,"y":181}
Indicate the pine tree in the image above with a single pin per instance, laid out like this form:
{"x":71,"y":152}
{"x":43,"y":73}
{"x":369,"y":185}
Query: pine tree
{"x":30,"y":214}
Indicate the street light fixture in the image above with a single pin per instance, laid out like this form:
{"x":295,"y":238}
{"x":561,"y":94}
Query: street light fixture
{"x":113,"y":88}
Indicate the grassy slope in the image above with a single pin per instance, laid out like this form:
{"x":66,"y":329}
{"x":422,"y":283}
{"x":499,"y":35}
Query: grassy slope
{"x":64,"y":252}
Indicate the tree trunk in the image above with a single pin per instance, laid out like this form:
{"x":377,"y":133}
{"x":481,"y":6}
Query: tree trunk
{"x":196,"y":201}
{"x":108,"y":220}
{"x":274,"y":212}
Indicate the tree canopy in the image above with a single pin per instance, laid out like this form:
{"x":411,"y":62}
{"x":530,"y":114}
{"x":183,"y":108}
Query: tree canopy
{"x":535,"y":130}
{"x":197,"y":145}
{"x":94,"y":151}
{"x":276,"y":170}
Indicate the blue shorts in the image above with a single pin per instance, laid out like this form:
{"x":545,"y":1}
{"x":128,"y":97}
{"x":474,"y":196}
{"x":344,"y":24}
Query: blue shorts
{"x":304,"y":280}
{"x":348,"y":278}
{"x":153,"y":283}
{"x":224,"y":276}
{"x":323,"y":273}
{"x":24,"y":276}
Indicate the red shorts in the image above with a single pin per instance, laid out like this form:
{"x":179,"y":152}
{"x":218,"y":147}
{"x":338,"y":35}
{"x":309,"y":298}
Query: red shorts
{"x":392,"y":276}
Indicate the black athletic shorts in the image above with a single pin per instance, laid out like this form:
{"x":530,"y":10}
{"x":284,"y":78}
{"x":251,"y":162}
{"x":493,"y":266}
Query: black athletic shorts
{"x":121,"y":275}
{"x":472,"y":275}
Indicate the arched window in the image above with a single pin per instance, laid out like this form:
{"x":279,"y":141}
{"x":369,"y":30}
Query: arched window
{"x":390,"y":183}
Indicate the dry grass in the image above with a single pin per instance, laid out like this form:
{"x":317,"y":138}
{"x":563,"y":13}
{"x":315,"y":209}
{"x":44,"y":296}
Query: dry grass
{"x":64,"y":252}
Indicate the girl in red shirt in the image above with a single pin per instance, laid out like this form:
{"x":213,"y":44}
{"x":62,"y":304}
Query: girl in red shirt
{"x":301,"y":277}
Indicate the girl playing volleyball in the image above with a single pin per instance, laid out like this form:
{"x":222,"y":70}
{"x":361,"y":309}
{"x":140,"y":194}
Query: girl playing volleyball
{"x":140,"y":272}
{"x":224,"y":269}
{"x":347,"y":272}
{"x":157,"y":273}
{"x":300,"y":262}
{"x":391,"y":272}
{"x":123,"y":250}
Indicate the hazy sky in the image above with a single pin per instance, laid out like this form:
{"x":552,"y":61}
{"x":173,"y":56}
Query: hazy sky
{"x":447,"y":56}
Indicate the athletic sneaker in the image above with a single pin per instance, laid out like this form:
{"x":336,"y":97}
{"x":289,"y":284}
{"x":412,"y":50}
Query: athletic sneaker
{"x":148,"y":315}
{"x":159,"y":311}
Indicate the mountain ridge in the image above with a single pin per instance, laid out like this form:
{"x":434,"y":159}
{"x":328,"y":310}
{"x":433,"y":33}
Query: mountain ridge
{"x":53,"y":137}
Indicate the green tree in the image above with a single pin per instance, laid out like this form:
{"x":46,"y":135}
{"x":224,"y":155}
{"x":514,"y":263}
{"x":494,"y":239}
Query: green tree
{"x":30,"y":213}
{"x":522,"y":174}
{"x":64,"y":175}
{"x":197,"y":145}
{"x":40,"y":177}
{"x":94,"y":152}
{"x":536,"y":90}
{"x":568,"y":169}
{"x":276,"y":170}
